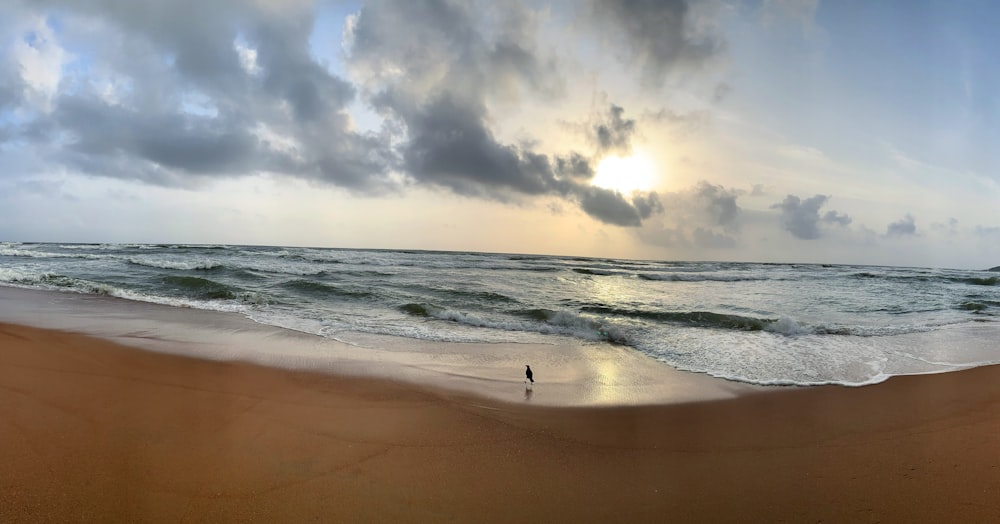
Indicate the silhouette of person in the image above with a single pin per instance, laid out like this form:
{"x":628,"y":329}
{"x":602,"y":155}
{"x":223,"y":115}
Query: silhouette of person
{"x":529,"y":374}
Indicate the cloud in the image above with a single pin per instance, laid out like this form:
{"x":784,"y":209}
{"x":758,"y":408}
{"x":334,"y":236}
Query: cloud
{"x":613,"y":132}
{"x":159,"y":92}
{"x":171,"y":140}
{"x":431,"y":68}
{"x":423,"y":46}
{"x":176,"y":92}
{"x":833,"y":217}
{"x":427,"y":66}
{"x":903,"y":227}
{"x":610,"y":207}
{"x":988,"y":232}
{"x":659,"y":36}
{"x":12,"y":85}
{"x":575,"y":165}
{"x":647,"y":204}
{"x":36,"y":59}
{"x":949,"y":228}
{"x":720,"y":205}
{"x":705,"y":216}
{"x":801,"y":218}
{"x":451,"y":146}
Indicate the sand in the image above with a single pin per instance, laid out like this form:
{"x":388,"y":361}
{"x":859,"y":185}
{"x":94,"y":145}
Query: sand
{"x":99,"y":432}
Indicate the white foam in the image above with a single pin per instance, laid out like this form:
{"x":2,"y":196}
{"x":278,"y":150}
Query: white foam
{"x":30,"y":253}
{"x":787,"y":326}
{"x":166,"y":263}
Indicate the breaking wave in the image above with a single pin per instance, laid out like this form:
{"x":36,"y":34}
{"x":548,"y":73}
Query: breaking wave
{"x":691,"y":318}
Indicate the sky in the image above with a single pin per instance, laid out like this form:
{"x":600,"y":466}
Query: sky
{"x":765,"y":131}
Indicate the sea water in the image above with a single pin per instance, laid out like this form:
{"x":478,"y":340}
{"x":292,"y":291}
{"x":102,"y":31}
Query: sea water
{"x":757,"y":323}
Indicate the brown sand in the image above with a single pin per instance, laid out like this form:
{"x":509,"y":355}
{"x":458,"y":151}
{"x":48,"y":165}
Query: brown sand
{"x":93,"y":431}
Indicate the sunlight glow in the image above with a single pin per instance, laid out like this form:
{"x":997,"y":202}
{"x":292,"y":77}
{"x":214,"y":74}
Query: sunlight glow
{"x":626,"y":174}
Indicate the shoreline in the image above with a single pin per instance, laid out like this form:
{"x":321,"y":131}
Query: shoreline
{"x":569,"y":373}
{"x":97,"y":431}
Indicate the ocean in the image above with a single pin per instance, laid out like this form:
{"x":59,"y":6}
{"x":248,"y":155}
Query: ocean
{"x":767,"y":324}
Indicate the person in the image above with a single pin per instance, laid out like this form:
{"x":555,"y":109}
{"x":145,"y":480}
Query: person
{"x":529,"y":374}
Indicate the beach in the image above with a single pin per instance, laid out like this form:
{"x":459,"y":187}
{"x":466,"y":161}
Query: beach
{"x":93,"y":430}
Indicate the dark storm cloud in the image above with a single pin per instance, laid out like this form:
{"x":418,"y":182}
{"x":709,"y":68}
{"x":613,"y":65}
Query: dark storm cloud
{"x":610,"y":207}
{"x":802,"y":219}
{"x":657,"y":36}
{"x":291,"y":74}
{"x":903,"y":227}
{"x":576,"y":166}
{"x":172,"y":140}
{"x":647,"y":204}
{"x":451,"y":146}
{"x":430,"y":67}
{"x":614,"y":133}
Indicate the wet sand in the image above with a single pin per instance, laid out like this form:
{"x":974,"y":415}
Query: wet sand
{"x":94,"y":431}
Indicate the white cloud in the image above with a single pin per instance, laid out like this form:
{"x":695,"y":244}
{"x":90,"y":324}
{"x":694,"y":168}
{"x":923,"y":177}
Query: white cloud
{"x":40,"y":59}
{"x":248,"y":57}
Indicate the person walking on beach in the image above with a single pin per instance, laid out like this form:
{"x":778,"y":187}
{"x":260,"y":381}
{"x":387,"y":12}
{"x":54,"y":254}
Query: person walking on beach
{"x":529,"y":375}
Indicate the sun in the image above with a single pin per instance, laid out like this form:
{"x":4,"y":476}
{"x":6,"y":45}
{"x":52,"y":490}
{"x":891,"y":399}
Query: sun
{"x":626,"y":174}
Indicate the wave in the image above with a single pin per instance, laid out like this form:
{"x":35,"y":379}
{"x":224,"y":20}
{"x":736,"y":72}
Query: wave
{"x":945,"y":279}
{"x":545,"y":322}
{"x":57,"y":282}
{"x":973,"y":306}
{"x":433,"y":311}
{"x":312,"y":259}
{"x":691,"y":318}
{"x":461,"y":295}
{"x":596,"y":272}
{"x":313,"y":288}
{"x":783,"y":325}
{"x":501,"y":267}
{"x":200,"y":288}
{"x":699,"y":277}
{"x":89,"y":246}
{"x":162,"y":263}
{"x":29,"y":253}
{"x":538,"y":314}
{"x":490,"y":297}
{"x":419,"y":310}
{"x":978,"y":306}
